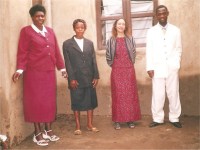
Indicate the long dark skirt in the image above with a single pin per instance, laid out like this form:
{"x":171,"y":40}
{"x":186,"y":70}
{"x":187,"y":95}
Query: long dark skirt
{"x":83,"y":99}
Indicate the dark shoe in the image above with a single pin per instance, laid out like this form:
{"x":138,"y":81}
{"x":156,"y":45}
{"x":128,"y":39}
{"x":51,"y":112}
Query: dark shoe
{"x":154,"y":124}
{"x":176,"y":124}
{"x":117,"y":126}
{"x":131,"y":125}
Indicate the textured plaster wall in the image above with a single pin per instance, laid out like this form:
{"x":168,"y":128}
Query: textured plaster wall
{"x":60,"y":15}
{"x":11,"y":117}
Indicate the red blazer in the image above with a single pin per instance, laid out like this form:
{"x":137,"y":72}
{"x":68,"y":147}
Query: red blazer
{"x":38,"y":52}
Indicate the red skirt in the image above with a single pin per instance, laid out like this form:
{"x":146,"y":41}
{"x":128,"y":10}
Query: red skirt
{"x":39,"y":96}
{"x":125,"y":102}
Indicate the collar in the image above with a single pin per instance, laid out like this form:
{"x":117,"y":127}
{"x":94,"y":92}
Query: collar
{"x":165,"y":27}
{"x":37,"y":30}
{"x":78,"y":39}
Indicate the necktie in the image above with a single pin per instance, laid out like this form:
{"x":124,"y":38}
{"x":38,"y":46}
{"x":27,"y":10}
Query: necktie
{"x":164,"y":30}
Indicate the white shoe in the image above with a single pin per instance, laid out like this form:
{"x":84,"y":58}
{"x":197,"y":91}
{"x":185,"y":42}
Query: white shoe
{"x":40,"y":142}
{"x":3,"y":138}
{"x":51,"y":138}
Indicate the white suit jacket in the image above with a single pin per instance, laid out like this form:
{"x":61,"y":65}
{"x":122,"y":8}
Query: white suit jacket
{"x":163,"y":51}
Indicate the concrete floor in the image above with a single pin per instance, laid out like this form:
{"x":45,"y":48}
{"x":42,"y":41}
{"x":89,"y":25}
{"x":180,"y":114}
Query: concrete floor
{"x":141,"y":137}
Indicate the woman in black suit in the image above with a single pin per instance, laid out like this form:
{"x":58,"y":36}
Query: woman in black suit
{"x":81,"y":65}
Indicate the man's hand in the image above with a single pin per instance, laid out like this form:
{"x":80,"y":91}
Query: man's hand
{"x":150,"y":73}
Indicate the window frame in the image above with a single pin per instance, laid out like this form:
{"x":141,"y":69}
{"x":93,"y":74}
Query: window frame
{"x":126,"y":11}
{"x":34,"y":2}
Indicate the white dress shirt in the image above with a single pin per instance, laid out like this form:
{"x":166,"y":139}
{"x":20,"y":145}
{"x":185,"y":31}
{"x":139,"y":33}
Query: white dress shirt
{"x":79,"y":42}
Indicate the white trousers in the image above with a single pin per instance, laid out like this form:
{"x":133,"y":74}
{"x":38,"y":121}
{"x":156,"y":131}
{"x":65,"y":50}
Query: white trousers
{"x":169,"y":85}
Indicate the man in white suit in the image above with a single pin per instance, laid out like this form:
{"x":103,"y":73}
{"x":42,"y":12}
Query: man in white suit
{"x":163,"y":56}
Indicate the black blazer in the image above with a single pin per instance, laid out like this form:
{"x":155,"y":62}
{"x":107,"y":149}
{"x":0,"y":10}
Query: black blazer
{"x":80,"y":66}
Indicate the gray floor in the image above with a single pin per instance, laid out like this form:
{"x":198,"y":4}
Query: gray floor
{"x":141,"y":137}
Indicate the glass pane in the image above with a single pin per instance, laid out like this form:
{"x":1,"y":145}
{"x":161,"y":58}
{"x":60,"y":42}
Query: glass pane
{"x":106,"y":30}
{"x":141,"y":7}
{"x":140,"y":27}
{"x":111,"y":7}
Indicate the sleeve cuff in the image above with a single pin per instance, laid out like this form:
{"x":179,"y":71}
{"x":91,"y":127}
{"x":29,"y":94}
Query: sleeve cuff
{"x":62,"y":70}
{"x":20,"y":71}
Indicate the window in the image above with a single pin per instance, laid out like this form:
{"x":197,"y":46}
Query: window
{"x":36,"y":2}
{"x":138,"y":13}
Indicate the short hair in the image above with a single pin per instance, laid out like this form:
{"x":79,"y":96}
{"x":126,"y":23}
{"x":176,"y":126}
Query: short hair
{"x":161,"y":6}
{"x":79,"y":20}
{"x":36,"y":8}
{"x":114,"y":30}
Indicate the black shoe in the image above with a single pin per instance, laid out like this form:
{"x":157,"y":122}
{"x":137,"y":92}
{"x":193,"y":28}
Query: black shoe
{"x":176,"y":124}
{"x":131,"y":125}
{"x":117,"y":126}
{"x":154,"y":124}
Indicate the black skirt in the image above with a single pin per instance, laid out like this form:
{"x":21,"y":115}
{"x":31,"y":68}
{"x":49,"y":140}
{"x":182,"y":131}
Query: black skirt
{"x":83,"y":99}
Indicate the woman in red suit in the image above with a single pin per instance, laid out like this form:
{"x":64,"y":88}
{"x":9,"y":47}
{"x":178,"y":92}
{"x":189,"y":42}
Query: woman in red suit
{"x":38,"y":55}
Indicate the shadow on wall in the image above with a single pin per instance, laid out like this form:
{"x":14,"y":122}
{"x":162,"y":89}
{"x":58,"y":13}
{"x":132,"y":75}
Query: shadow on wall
{"x":4,"y":115}
{"x":189,"y":96}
